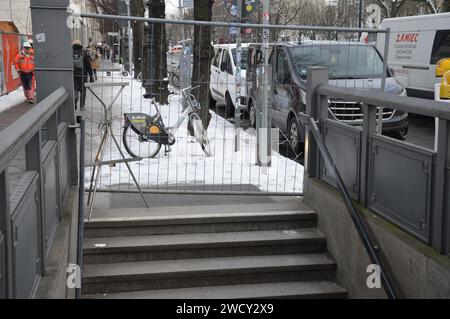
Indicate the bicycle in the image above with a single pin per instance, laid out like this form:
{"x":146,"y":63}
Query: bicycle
{"x":174,"y":79}
{"x":143,"y":135}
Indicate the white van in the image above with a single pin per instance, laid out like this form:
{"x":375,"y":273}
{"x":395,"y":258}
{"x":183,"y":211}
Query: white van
{"x":223,"y":77}
{"x":416,"y":44}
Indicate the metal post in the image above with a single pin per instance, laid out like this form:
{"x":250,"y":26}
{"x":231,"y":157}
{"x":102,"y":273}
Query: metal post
{"x":5,"y":230}
{"x":237,"y":102}
{"x":369,"y":127}
{"x":383,"y":79}
{"x":440,"y":185}
{"x":263,"y":132}
{"x":316,"y":77}
{"x":53,"y":59}
{"x":81,"y":206}
{"x":33,"y":162}
{"x":130,"y":40}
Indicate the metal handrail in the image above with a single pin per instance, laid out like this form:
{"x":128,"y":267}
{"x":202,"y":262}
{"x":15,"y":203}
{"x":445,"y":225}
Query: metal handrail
{"x":403,"y":103}
{"x":81,"y":207}
{"x":368,"y":243}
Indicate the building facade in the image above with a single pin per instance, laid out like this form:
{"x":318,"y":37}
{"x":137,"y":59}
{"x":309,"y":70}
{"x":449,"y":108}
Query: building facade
{"x":17,"y":11}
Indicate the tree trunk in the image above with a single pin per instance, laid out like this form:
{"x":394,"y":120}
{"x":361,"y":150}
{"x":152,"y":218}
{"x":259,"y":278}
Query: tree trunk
{"x":137,"y":10}
{"x":203,"y":53}
{"x":155,"y":53}
{"x":445,"y":7}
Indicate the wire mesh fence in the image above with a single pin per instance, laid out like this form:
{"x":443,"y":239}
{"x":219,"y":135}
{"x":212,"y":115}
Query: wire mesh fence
{"x":155,"y":141}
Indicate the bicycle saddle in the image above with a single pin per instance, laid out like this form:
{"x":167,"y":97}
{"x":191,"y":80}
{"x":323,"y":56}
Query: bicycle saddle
{"x":150,"y":95}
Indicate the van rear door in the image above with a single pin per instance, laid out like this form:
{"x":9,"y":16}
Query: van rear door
{"x":214,"y":81}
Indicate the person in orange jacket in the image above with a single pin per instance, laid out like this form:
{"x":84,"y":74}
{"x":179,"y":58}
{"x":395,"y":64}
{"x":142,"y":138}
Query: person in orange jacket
{"x":31,"y":42}
{"x":24,"y":64}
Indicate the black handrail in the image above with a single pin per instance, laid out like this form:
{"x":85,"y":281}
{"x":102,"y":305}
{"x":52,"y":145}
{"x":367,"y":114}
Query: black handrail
{"x":370,"y":247}
{"x":81,"y":208}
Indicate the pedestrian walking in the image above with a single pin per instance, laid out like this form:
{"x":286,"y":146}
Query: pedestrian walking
{"x":95,"y":60}
{"x":81,"y":71}
{"x":108,"y":52}
{"x":31,"y":42}
{"x":24,"y":63}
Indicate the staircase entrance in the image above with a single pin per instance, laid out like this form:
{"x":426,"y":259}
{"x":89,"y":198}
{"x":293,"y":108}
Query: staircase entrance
{"x":191,"y":246}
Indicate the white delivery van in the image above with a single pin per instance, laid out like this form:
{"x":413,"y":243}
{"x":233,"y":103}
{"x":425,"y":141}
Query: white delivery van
{"x":416,"y":44}
{"x":223,"y":77}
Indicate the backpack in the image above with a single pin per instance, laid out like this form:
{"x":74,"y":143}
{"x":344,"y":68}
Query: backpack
{"x":78,"y":60}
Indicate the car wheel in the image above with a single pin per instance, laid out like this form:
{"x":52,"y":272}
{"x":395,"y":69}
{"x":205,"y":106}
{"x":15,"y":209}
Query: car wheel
{"x":229,"y":108}
{"x":252,"y":114}
{"x":294,"y":135}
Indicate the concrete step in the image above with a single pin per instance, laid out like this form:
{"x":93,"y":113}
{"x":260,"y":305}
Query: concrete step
{"x":204,"y":222}
{"x":202,"y":245}
{"x":296,"y":289}
{"x":169,"y":274}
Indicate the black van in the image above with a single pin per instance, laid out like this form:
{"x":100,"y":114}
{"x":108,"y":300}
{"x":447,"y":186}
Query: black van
{"x":350,"y":64}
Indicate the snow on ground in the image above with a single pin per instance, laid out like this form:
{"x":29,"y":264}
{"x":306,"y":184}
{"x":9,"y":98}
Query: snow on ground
{"x":12,"y":99}
{"x":186,"y":165}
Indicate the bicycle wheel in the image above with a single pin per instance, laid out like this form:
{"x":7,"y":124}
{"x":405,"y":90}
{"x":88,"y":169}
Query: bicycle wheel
{"x":136,"y":146}
{"x":175,"y":80}
{"x":200,"y":133}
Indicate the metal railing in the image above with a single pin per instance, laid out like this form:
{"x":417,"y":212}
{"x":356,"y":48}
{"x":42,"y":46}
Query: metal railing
{"x":406,"y":184}
{"x":363,"y":232}
{"x":30,"y":212}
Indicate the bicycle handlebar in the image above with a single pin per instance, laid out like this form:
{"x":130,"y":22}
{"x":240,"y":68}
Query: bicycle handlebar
{"x":190,"y":88}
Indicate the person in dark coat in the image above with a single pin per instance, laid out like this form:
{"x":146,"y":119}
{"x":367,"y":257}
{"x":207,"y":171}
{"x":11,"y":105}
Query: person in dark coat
{"x":81,"y":72}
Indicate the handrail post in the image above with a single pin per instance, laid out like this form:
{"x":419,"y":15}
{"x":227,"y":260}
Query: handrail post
{"x":369,"y":127}
{"x":317,"y":108}
{"x":81,"y":205}
{"x":33,"y":162}
{"x":440,"y":223}
{"x":5,"y":231}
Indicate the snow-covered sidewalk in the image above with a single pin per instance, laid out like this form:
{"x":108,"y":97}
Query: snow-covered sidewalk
{"x":186,"y":165}
{"x":14,"y":98}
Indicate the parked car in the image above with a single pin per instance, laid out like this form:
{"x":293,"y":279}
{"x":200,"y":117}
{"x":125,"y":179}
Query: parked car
{"x":223,"y":77}
{"x":416,"y":45}
{"x":350,"y":64}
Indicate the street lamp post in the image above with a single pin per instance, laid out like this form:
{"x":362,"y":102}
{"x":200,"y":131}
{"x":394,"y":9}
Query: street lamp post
{"x":130,"y":40}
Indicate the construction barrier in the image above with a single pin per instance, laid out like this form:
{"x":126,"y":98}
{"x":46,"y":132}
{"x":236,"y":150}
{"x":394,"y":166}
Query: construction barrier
{"x":10,"y":44}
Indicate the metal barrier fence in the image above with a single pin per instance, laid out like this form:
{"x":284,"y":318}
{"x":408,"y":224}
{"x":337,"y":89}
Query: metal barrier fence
{"x":234,"y":111}
{"x":407,"y":184}
{"x":30,"y":211}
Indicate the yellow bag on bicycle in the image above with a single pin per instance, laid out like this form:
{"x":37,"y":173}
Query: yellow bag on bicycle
{"x":445,"y":86}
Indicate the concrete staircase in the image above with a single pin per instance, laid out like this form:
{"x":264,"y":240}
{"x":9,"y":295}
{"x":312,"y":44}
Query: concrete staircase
{"x":268,"y":254}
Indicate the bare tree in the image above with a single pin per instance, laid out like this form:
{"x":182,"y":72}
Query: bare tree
{"x":138,"y":10}
{"x":202,"y":57}
{"x":445,"y":7}
{"x":155,"y":53}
